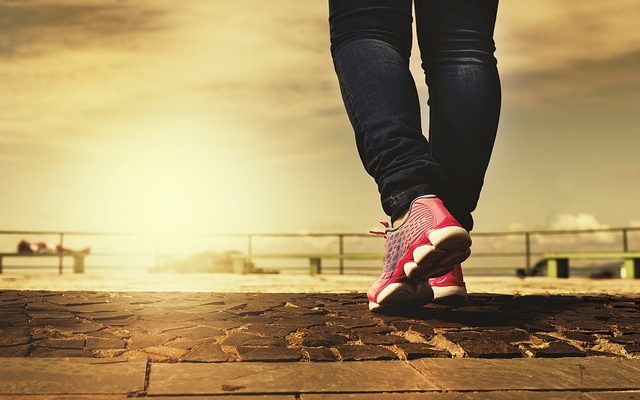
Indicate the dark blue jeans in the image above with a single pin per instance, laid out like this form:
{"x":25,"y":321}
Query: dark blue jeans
{"x":370,"y":45}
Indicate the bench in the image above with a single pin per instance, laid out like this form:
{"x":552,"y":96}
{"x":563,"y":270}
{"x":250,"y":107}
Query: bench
{"x":78,"y":258}
{"x":242,"y":263}
{"x":558,"y":263}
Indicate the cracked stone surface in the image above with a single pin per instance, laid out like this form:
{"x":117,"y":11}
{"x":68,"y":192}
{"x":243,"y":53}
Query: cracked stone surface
{"x":246,"y":327}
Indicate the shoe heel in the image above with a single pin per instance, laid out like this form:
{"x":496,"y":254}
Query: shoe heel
{"x":450,"y":238}
{"x":450,"y":245}
{"x":401,"y":295}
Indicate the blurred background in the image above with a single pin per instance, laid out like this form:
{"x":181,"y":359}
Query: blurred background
{"x":180,"y":119}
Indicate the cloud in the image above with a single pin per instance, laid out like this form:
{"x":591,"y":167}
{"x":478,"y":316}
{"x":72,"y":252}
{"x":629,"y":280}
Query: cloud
{"x":582,"y":242}
{"x":555,"y":242}
{"x":552,"y":34}
{"x":567,"y":49}
{"x":604,"y":80}
{"x":37,"y":27}
{"x":567,"y":221}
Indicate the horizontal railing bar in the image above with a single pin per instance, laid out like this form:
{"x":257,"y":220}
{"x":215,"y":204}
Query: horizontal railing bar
{"x":301,"y":234}
{"x":593,"y":254}
{"x":157,"y":237}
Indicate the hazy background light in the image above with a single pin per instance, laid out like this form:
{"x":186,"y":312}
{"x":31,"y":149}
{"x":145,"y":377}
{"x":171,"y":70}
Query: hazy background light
{"x":225,"y":116}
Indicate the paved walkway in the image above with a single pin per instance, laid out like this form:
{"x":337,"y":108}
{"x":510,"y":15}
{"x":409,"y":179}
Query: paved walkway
{"x":320,"y":346}
{"x":132,"y":281}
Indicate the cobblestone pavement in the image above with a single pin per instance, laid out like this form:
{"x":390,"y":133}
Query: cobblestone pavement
{"x":320,"y":327}
{"x":213,"y":334}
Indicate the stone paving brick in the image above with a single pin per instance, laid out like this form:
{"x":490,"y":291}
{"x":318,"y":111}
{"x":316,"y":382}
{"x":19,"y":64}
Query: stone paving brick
{"x":95,"y":343}
{"x":50,"y":315}
{"x":276,"y":331}
{"x":104,"y":307}
{"x":385,"y":396}
{"x":61,"y":343}
{"x":250,"y":397}
{"x":584,"y":325}
{"x":597,"y":353}
{"x":626,"y":338}
{"x":426,"y":331}
{"x":300,"y":322}
{"x":105,"y":316}
{"x":186,"y":344}
{"x":212,"y":321}
{"x":163,"y":326}
{"x":13,"y":319}
{"x":198,"y":332}
{"x":420,"y":350}
{"x":635,"y":395}
{"x":207,"y":352}
{"x":349,"y":323}
{"x":557,"y":349}
{"x":632,"y":348}
{"x":49,"y":352}
{"x":379,"y":330}
{"x":44,"y":306}
{"x":65,"y":397}
{"x":485,"y":344}
{"x":531,"y":374}
{"x":540,"y":326}
{"x":381,"y":339}
{"x":166,"y":352}
{"x":268,"y":354}
{"x":71,"y":376}
{"x":319,"y":354}
{"x":226,"y":378}
{"x":322,"y":339}
{"x":365,"y":353}
{"x":13,"y":336}
{"x":148,"y":340}
{"x":523,"y":395}
{"x":15,"y":351}
{"x":80,"y":327}
{"x":581,"y":337}
{"x":510,"y":395}
{"x":481,"y":348}
{"x":249,"y":340}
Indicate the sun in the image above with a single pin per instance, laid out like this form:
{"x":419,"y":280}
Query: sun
{"x":171,"y":175}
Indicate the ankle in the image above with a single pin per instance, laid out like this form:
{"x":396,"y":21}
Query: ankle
{"x":398,"y":221}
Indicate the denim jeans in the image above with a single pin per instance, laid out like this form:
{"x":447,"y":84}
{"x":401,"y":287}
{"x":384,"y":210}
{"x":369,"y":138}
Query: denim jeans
{"x":370,"y":45}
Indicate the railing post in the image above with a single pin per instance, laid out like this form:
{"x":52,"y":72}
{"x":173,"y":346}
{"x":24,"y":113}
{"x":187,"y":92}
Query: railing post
{"x":249,"y":247}
{"x":625,"y":240}
{"x":527,"y":247}
{"x":60,"y":253}
{"x":341,"y":243}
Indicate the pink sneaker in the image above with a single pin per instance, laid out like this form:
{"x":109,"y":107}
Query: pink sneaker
{"x":449,"y":288}
{"x":427,"y":244}
{"x":394,"y":290}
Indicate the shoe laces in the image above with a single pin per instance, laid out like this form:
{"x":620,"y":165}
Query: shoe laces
{"x":382,"y":233}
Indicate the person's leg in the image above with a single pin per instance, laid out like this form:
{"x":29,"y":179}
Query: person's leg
{"x":370,"y":46}
{"x":457,"y":51}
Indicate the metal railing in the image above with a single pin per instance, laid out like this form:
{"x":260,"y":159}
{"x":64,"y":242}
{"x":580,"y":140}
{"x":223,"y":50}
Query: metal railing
{"x":525,"y":238}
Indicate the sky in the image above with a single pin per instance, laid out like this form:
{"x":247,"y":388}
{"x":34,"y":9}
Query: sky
{"x":225,"y":116}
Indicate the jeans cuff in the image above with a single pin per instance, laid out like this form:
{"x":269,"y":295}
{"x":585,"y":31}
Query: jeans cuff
{"x":397,"y":203}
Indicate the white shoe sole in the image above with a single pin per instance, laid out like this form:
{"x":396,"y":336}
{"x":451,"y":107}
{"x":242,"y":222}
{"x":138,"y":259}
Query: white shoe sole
{"x":401,"y":295}
{"x":449,"y":294}
{"x":450,"y":246}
